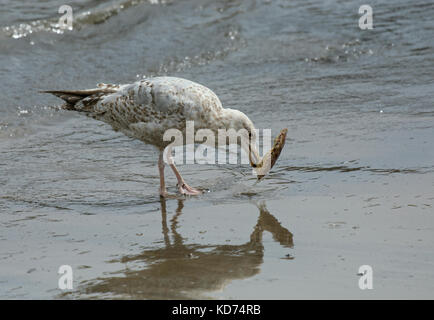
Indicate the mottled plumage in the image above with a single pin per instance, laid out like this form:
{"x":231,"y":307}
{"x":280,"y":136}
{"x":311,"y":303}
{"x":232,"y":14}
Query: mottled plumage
{"x":147,"y":108}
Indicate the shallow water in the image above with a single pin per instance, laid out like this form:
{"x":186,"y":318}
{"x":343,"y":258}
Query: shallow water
{"x":354,"y":184}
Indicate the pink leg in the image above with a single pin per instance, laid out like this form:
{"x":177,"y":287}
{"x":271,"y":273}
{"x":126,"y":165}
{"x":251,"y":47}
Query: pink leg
{"x":163,"y":191}
{"x":183,"y":187}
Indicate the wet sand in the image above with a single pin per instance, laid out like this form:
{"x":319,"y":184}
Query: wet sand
{"x":305,"y":246}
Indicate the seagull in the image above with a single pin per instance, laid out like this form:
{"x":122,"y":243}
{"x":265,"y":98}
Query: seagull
{"x":146,"y":109}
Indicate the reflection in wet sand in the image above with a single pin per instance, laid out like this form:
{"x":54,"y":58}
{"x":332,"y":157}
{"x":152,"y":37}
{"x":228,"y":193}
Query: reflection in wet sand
{"x":181,"y":271}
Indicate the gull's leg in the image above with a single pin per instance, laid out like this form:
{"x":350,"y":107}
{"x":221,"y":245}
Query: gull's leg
{"x":182,"y":186}
{"x":163,"y":191}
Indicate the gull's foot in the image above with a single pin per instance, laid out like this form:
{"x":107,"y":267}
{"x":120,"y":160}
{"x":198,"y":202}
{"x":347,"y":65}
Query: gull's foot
{"x":163,"y":194}
{"x":187,"y":190}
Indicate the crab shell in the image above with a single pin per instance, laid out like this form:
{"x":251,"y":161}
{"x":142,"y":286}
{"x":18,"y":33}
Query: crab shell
{"x":270,"y":158}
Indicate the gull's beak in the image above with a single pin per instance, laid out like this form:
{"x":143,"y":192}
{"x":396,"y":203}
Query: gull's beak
{"x":267,"y":162}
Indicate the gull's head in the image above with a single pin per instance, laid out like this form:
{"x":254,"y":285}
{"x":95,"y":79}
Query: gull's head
{"x":238,"y":124}
{"x":237,"y":120}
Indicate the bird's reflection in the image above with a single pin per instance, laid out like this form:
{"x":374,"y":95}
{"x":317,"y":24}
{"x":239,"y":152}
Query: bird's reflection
{"x":181,"y":271}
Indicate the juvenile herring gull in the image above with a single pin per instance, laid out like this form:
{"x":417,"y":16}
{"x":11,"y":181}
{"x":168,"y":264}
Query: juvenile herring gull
{"x":147,"y":108}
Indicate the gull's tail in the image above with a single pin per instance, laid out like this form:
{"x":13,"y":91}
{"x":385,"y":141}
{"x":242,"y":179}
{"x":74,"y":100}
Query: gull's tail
{"x":87,"y":97}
